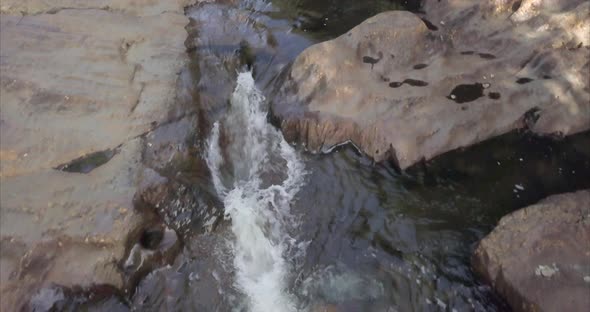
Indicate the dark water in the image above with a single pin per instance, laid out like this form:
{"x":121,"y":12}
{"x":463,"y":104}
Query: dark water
{"x":378,"y":240}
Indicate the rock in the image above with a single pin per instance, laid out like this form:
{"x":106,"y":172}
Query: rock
{"x":131,"y":7}
{"x":157,"y":246}
{"x":81,"y":83}
{"x":186,"y":209}
{"x":401,"y":87}
{"x":199,"y":276}
{"x":538,"y":258}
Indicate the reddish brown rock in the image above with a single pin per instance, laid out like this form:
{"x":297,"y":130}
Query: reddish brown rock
{"x":538,"y":258}
{"x":398,"y":85}
{"x":80,"y":83}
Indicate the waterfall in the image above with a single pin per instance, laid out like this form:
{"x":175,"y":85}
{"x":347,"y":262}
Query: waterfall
{"x":266,"y":175}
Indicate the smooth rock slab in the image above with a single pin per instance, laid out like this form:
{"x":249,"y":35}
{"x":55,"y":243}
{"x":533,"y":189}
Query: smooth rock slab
{"x":131,"y":7}
{"x":403,"y":88}
{"x":81,"y":82}
{"x":538,"y":258}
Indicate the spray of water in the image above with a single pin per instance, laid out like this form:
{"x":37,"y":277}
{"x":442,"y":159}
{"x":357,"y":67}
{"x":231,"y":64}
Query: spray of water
{"x":267,"y":174}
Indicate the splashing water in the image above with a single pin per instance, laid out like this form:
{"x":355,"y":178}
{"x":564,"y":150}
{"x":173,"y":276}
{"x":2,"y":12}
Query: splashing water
{"x":266,"y":174}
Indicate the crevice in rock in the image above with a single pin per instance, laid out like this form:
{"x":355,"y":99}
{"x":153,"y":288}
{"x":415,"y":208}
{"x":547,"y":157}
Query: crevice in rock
{"x":483,"y":55}
{"x":531,"y":116}
{"x":486,"y":56}
{"x":429,"y":24}
{"x":420,"y":66}
{"x":529,"y":59}
{"x":391,"y":158}
{"x":89,"y":162}
{"x":106,"y":8}
{"x":56,"y":10}
{"x":136,"y":67}
{"x":524,"y":80}
{"x":138,"y":100}
{"x":409,"y":81}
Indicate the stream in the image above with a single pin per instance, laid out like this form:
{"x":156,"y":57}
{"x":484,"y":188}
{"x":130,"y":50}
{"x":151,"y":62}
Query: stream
{"x":332,"y":232}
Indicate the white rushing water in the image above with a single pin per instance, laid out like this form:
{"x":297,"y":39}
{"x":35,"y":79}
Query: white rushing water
{"x":266,"y":174}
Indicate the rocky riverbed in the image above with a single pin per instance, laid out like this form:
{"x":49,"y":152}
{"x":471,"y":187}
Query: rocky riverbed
{"x":123,"y":147}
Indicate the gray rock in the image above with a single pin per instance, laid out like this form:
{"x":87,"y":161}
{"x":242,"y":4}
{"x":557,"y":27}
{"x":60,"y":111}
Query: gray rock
{"x":538,"y":258}
{"x":397,"y":89}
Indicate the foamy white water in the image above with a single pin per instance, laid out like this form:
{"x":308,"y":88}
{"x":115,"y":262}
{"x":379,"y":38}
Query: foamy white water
{"x":259,"y":209}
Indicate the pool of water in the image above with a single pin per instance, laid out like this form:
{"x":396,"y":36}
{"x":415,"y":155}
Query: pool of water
{"x":331,"y":232}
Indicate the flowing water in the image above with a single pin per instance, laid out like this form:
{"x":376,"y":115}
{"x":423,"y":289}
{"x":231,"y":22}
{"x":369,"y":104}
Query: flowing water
{"x":334,"y":232}
{"x":258,"y":209}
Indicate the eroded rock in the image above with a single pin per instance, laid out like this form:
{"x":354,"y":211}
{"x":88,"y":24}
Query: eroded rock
{"x":81,"y":83}
{"x":395,"y":85}
{"x":538,"y":257}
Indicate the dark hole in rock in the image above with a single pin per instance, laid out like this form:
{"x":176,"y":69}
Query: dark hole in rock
{"x":546,"y":77}
{"x":463,"y":107}
{"x":487,"y":56}
{"x":531,"y":116}
{"x":416,"y":83}
{"x":466,"y":93}
{"x":516,"y":5}
{"x":429,"y":25}
{"x":395,"y":84}
{"x":467,"y":53}
{"x":88,"y":162}
{"x":420,"y":66}
{"x":524,"y":80}
{"x":372,"y":60}
{"x":494,"y":95}
{"x":386,"y":79}
{"x":151,"y":238}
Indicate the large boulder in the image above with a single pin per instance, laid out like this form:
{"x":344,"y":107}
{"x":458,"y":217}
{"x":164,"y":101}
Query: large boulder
{"x":409,"y":88}
{"x":538,"y":258}
{"x":81,"y":84}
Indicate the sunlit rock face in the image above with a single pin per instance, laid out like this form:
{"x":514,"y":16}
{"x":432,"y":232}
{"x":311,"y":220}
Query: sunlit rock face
{"x":407,"y":86}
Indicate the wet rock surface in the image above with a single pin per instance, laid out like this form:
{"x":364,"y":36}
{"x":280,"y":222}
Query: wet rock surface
{"x":489,"y":63}
{"x":538,"y":257}
{"x":82,"y":84}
